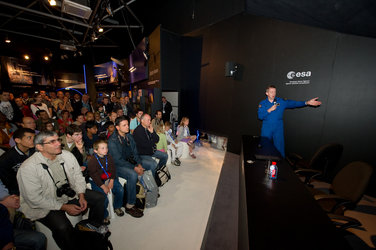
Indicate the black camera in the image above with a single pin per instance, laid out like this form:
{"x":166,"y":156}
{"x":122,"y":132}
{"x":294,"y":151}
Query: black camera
{"x":65,"y":189}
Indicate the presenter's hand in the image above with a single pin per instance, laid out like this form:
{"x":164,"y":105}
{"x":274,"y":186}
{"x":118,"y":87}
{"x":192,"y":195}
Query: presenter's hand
{"x":313,"y":102}
{"x":274,"y":107}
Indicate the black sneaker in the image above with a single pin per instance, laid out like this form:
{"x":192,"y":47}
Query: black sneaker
{"x":134,"y":212}
{"x":176,"y":163}
{"x":177,"y":159}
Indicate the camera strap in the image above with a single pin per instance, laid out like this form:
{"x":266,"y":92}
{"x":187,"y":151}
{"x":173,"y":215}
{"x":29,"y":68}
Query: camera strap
{"x":52,"y":178}
{"x":100,"y":164}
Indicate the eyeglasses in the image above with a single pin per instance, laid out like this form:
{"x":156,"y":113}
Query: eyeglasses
{"x":53,"y":141}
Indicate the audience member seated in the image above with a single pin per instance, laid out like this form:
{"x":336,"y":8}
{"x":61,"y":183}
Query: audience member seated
{"x":79,"y":120}
{"x":64,"y":121}
{"x":107,"y":106}
{"x":124,"y":104}
{"x":122,"y":148}
{"x":109,"y":129}
{"x":176,"y":148}
{"x":86,"y":102}
{"x":11,"y":160}
{"x":38,"y":105}
{"x":136,"y":121}
{"x":76,"y":105}
{"x":12,"y":237}
{"x":99,"y":122}
{"x":9,"y":108}
{"x":146,"y":140}
{"x":43,"y":118}
{"x":102,"y":172}
{"x":6,"y":131}
{"x":72,"y":141}
{"x":51,"y":183}
{"x":27,"y":122}
{"x":157,"y":121}
{"x":90,"y":137}
{"x":183,"y":135}
{"x":55,"y":103}
{"x":26,"y":99}
{"x":25,"y":110}
{"x":119,"y":112}
{"x":112,"y":117}
{"x":46,"y":100}
{"x":162,"y":143}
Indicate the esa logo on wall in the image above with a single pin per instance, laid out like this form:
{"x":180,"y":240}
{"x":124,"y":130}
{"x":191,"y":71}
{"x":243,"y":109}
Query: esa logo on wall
{"x":297,"y":78}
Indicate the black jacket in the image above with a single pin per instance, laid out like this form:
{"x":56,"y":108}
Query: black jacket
{"x":145,"y":141}
{"x":10,"y":162}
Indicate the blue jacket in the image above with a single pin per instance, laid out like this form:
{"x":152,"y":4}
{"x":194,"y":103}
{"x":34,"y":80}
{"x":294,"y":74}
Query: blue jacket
{"x":120,"y":149}
{"x":276,"y":115}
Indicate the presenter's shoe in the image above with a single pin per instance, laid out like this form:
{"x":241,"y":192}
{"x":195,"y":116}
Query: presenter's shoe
{"x":134,"y":212}
{"x":119,"y":212}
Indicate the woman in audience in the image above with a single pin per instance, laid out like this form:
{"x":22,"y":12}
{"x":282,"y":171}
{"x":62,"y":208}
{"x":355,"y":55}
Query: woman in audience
{"x":184,"y":135}
{"x":39,"y":105}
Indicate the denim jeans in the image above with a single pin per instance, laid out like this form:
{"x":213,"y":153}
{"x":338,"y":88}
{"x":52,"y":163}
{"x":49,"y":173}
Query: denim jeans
{"x":118,"y":192}
{"x":131,"y":176}
{"x":148,"y":161}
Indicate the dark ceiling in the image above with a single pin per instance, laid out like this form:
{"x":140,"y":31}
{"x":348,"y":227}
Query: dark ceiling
{"x":37,"y":28}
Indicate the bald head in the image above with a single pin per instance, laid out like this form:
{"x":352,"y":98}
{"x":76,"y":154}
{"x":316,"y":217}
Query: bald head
{"x":28,"y":122}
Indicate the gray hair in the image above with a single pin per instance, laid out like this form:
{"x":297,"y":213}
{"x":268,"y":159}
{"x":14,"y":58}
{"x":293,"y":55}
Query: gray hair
{"x":143,"y":116}
{"x":39,"y":138}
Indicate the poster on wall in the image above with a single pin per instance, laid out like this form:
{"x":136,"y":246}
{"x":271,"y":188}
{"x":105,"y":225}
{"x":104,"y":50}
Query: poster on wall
{"x":18,"y":73}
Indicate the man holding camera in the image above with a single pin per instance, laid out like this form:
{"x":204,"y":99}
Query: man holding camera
{"x":51,"y":183}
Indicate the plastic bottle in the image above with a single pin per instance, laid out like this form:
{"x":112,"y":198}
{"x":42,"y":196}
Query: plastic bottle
{"x":273,"y":171}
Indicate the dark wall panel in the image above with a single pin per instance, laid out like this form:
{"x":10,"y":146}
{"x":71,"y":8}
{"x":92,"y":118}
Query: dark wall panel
{"x":342,"y":76}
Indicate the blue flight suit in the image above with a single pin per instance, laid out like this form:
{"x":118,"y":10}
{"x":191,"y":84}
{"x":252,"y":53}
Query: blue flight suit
{"x":272,"y":123}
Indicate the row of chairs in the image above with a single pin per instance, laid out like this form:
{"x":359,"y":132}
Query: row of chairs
{"x":347,"y":187}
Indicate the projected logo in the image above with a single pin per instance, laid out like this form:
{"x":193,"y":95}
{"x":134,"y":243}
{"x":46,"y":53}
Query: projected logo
{"x":294,"y":75}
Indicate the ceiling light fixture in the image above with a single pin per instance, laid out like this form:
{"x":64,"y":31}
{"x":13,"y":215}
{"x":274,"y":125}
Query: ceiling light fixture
{"x":46,"y":58}
{"x":52,"y":2}
{"x":26,"y":57}
{"x":7,"y":40}
{"x":100,"y":29}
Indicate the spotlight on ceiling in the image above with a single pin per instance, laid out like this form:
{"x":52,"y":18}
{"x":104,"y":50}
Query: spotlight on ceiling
{"x":7,"y":40}
{"x":27,"y":57}
{"x":100,"y":29}
{"x":52,"y":2}
{"x":46,"y":58}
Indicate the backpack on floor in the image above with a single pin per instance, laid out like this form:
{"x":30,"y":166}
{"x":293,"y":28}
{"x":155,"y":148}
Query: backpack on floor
{"x":140,"y":196}
{"x":93,"y":237}
{"x":162,"y":175}
{"x":152,"y":190}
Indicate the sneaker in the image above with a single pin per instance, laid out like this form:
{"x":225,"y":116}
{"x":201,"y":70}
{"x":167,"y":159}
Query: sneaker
{"x":176,"y":163}
{"x":119,"y":212}
{"x":177,"y":160}
{"x":193,"y":156}
{"x":134,"y":212}
{"x":106,"y":221}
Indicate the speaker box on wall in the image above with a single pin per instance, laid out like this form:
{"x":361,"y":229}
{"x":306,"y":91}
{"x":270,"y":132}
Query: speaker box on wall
{"x":230,"y":69}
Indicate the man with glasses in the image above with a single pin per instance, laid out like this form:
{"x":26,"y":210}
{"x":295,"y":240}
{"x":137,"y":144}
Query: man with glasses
{"x":51,"y":184}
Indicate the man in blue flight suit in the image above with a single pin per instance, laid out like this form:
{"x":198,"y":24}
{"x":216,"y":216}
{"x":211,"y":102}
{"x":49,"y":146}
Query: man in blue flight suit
{"x":270,"y":111}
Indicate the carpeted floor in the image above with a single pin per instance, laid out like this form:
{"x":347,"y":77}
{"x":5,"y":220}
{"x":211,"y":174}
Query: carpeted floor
{"x":180,"y":218}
